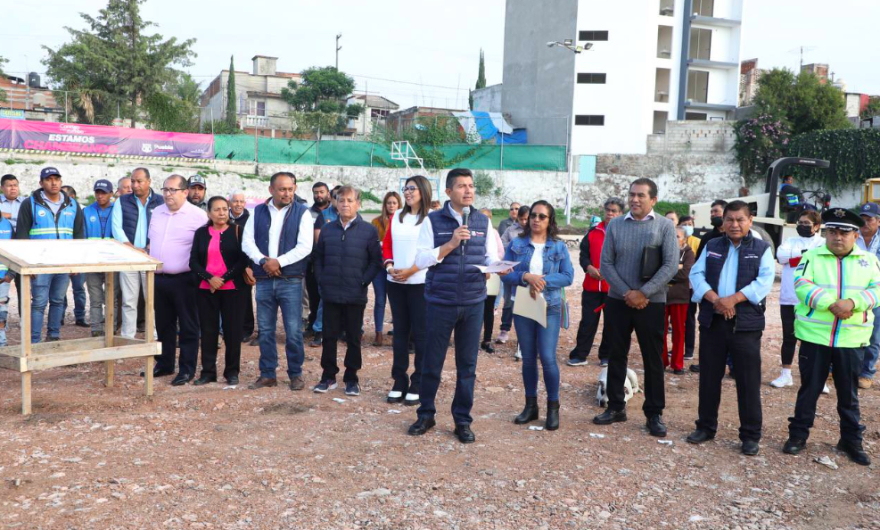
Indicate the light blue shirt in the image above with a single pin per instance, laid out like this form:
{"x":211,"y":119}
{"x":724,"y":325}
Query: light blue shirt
{"x":875,"y":244}
{"x":754,"y":292}
{"x":140,"y":233}
{"x":12,"y":208}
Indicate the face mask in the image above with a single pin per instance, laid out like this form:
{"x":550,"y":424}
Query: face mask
{"x":805,"y":231}
{"x":688,"y":230}
{"x":717,"y":221}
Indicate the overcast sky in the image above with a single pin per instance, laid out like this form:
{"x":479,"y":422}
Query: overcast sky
{"x":424,"y":52}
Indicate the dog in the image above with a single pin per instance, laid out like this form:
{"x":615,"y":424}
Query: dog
{"x":630,"y":386}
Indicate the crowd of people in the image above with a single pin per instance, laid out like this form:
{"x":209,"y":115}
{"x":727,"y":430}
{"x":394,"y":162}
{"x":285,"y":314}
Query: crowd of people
{"x":644,"y":273}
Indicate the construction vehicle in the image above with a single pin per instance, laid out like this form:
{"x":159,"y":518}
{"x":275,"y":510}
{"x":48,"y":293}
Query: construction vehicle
{"x":770,"y":222}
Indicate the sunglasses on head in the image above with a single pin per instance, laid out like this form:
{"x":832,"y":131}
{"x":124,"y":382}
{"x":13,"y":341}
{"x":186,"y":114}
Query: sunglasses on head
{"x":541,"y":216}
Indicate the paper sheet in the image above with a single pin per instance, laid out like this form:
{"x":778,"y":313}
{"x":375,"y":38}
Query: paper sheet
{"x":525,"y":306}
{"x":493,"y":285}
{"x":498,"y":266}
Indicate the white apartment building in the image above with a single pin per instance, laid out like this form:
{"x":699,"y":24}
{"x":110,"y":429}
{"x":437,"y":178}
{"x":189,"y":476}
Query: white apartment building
{"x":649,"y":61}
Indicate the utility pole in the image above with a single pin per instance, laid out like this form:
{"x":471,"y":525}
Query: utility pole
{"x":338,"y":47}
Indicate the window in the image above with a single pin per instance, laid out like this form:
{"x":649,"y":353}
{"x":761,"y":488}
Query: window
{"x":256,"y":108}
{"x":704,"y":8}
{"x":667,"y":8}
{"x":698,"y":86}
{"x":585,"y":119}
{"x":701,"y":44}
{"x":591,"y":79}
{"x":695,"y":116}
{"x":593,"y":35}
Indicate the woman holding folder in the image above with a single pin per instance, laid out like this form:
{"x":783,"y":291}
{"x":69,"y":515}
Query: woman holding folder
{"x":544,"y":270}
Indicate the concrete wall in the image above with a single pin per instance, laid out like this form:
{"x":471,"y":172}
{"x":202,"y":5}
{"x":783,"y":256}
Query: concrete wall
{"x":488,"y":99}
{"x":538,"y":80}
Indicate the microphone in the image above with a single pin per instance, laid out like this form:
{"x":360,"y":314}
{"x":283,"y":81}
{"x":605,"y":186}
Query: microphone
{"x":465,"y":213}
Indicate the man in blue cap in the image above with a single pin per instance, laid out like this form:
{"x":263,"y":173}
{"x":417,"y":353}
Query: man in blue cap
{"x":869,"y":241}
{"x":98,"y":225}
{"x":49,"y":214}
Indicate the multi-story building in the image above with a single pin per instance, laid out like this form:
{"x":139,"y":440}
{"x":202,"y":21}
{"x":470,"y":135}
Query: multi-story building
{"x":649,"y":61}
{"x":818,"y":69}
{"x":26,"y":99}
{"x":376,"y":111}
{"x":259,"y":105}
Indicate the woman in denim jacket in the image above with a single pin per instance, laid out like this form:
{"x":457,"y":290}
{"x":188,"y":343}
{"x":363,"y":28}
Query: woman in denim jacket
{"x":545,"y":268}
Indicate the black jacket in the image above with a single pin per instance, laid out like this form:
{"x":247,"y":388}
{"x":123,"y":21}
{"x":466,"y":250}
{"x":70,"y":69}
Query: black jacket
{"x":708,"y":236}
{"x":346,"y":261}
{"x":241,"y":221}
{"x":230,"y":249}
{"x":26,"y":216}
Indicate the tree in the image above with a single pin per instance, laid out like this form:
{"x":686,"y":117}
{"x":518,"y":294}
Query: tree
{"x":318,"y":101}
{"x":759,"y":141}
{"x":114,"y":64}
{"x":230,"y":96}
{"x":481,"y":80}
{"x":801,"y":101}
{"x":873,"y":108}
{"x":176,"y":108}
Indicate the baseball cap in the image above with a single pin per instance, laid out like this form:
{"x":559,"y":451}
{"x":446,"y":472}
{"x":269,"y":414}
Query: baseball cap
{"x":103,"y":185}
{"x":49,"y":172}
{"x":871,"y":209}
{"x":197,"y":180}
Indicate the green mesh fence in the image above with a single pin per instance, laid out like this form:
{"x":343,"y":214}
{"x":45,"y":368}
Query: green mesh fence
{"x":366,"y":154}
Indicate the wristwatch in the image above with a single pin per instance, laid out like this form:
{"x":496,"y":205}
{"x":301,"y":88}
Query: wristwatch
{"x":263,"y":261}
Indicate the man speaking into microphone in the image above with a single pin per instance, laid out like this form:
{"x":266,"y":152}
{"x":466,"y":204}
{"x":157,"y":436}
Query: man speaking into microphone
{"x":452,"y":243}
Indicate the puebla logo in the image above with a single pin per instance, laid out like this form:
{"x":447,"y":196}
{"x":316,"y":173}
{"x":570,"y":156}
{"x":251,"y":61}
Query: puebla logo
{"x":41,"y":213}
{"x":93,"y":218}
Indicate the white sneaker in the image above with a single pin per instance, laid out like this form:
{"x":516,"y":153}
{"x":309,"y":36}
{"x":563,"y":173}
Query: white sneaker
{"x":782,"y":381}
{"x":502,"y":337}
{"x":826,"y":390}
{"x":518,"y":355}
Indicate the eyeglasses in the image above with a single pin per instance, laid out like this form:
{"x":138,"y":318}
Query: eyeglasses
{"x":541,"y":216}
{"x":172,"y":190}
{"x":409,"y":189}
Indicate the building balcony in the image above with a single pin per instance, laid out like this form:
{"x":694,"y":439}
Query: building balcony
{"x":256,"y":121}
{"x":703,"y":63}
{"x":716,"y":22}
{"x":721,"y":107}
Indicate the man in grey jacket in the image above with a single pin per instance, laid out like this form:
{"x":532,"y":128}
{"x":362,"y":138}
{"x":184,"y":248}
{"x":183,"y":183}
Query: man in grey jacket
{"x":636,"y":303}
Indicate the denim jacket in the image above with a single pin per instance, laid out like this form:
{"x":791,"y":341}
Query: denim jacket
{"x":558,"y":271}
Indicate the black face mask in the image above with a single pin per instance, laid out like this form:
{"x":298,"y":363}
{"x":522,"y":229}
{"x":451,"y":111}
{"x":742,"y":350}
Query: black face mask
{"x":716,"y":221}
{"x":805,"y":231}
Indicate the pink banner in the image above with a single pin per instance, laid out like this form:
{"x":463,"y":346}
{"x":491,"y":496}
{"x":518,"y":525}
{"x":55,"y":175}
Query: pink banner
{"x":102,"y":140}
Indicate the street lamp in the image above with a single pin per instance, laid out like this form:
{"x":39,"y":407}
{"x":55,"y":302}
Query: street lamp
{"x":569,"y":44}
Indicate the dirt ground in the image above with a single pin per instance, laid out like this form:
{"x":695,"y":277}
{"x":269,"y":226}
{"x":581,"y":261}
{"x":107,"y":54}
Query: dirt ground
{"x":230,"y":458}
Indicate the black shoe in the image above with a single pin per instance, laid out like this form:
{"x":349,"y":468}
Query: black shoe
{"x":158,"y":372}
{"x":678,"y":372}
{"x":308,"y":333}
{"x":465,"y":434}
{"x":699,"y":436}
{"x":181,"y":379}
{"x":486,"y":346}
{"x":421,"y":426}
{"x":794,"y":445}
{"x":552,"y":422}
{"x":529,"y":413}
{"x":750,"y":448}
{"x":232,"y":381}
{"x":610,"y":416}
{"x":656,"y":427}
{"x":204,"y":380}
{"x":352,"y":389}
{"x":82,"y":324}
{"x":855,"y":452}
{"x":689,"y":356}
{"x":53,"y":339}
{"x":255,"y":341}
{"x":247,"y":338}
{"x":695,"y":368}
{"x":317,"y":340}
{"x":395,"y":396}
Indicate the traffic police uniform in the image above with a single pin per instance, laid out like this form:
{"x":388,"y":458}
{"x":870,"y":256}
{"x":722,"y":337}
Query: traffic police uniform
{"x":820,"y":280}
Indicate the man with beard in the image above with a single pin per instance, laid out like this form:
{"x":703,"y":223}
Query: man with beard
{"x":314,"y":328}
{"x":195,"y":193}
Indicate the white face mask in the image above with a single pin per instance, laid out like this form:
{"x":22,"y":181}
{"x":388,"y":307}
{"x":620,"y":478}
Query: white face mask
{"x":688,"y":230}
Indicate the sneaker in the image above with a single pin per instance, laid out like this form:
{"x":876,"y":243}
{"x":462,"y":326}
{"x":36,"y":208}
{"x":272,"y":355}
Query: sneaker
{"x":352,"y":389}
{"x":518,"y":354}
{"x":317,"y":341}
{"x":576,"y":362}
{"x":689,"y":356}
{"x":782,"y":381}
{"x":502,"y":337}
{"x":325,"y":386}
{"x":603,"y":362}
{"x":826,"y":390}
{"x":865,"y":383}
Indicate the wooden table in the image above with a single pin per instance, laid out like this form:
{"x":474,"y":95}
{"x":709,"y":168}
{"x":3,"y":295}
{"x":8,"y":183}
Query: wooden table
{"x":31,"y":257}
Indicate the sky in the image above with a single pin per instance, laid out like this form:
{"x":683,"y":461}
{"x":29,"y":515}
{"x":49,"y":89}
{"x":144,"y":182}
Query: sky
{"x":423,"y":52}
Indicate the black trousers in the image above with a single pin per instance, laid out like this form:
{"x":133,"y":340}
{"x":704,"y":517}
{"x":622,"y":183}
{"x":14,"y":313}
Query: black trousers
{"x":717,"y":342}
{"x":338,"y":318}
{"x":590,"y":303}
{"x":789,"y":341}
{"x":690,"y":330}
{"x":648,"y":323}
{"x":227,"y":304}
{"x":814,"y":362}
{"x":175,"y":309}
{"x":488,"y":318}
{"x":314,"y":294}
{"x":408,"y":311}
{"x":248,"y":325}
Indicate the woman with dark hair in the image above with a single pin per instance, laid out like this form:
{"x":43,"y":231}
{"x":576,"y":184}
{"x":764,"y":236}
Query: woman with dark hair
{"x":218,"y":262}
{"x":390,"y":204}
{"x":406,"y":288}
{"x":545,"y":269}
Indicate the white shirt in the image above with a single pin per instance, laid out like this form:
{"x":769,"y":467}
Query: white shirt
{"x":404,"y":240}
{"x":629,"y":217}
{"x":536,"y":265}
{"x":427,"y":255}
{"x":304,"y":241}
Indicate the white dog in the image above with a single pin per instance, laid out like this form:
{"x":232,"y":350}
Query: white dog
{"x":630,"y":386}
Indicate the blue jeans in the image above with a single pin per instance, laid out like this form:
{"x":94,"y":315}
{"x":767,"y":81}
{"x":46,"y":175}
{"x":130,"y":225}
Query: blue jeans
{"x":4,"y":310}
{"x":873,"y":349}
{"x":78,"y":282}
{"x":51,"y":290}
{"x":380,"y":290}
{"x":507,"y":310}
{"x":537,"y":341}
{"x":467,"y":321}
{"x":285,"y":293}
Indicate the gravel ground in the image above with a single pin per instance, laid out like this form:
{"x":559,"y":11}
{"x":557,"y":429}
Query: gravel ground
{"x":229,"y":458}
